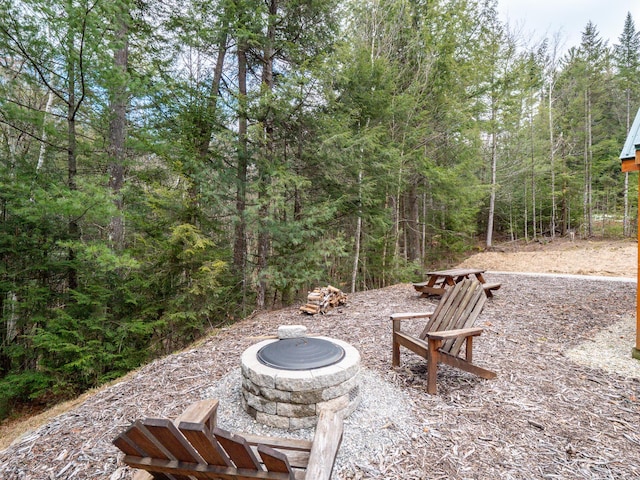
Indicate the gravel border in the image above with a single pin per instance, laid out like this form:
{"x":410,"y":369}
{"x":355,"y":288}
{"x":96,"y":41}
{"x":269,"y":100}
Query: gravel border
{"x":383,"y":419}
{"x":610,"y":350}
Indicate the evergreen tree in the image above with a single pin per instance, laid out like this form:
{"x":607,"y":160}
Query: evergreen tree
{"x":594,"y":57}
{"x":626,"y":55}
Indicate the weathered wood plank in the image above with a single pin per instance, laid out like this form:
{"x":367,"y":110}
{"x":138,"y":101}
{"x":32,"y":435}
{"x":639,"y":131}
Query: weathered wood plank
{"x":275,"y":461}
{"x":168,"y":435}
{"x":127,"y":446}
{"x":462,"y":364}
{"x":490,"y":287}
{"x":204,"y":411}
{"x":416,"y":345}
{"x":410,"y":315}
{"x":202,"y":440}
{"x":200,"y":471}
{"x":326,"y":442}
{"x":144,"y":441}
{"x":278,"y":442}
{"x":297,"y":459}
{"x":462,"y":332}
{"x":467,"y":319}
{"x":238,"y":449}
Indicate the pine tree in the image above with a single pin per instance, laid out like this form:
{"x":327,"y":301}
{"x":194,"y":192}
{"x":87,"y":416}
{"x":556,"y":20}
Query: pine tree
{"x":594,"y":56}
{"x":626,"y":55}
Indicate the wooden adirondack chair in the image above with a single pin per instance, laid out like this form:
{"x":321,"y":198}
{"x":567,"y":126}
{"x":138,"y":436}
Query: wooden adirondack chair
{"x":192,"y":447}
{"x":449,"y":327}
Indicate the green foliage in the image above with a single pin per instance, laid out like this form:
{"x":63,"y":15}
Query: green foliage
{"x":22,"y":388}
{"x":195,"y":287}
{"x":304,"y":253}
{"x":374,"y":135}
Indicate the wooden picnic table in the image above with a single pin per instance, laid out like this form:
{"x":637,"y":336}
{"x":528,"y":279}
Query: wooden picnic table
{"x":438,"y":281}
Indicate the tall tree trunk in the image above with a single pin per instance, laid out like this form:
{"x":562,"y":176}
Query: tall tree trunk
{"x":118,"y":129}
{"x":526,"y":212}
{"x":357,"y":236}
{"x":423,"y":244}
{"x":395,"y":200}
{"x":587,"y":197}
{"x":206,"y":129}
{"x":552,"y":162}
{"x":267,"y":161}
{"x":72,"y":169}
{"x":413,"y":224}
{"x":492,"y":196}
{"x":240,"y":235}
{"x":564,"y":207}
{"x":533,"y":177}
{"x":43,"y":145}
{"x":590,"y":171}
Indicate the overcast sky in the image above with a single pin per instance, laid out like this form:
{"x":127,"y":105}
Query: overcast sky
{"x":536,"y":19}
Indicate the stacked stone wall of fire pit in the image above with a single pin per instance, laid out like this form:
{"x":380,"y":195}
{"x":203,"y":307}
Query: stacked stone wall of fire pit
{"x":292,"y":399}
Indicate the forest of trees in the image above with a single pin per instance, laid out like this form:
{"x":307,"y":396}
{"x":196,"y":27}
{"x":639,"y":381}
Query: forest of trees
{"x":167,"y":168}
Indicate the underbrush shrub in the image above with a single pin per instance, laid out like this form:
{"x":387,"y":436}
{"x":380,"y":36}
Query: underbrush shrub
{"x":22,"y":388}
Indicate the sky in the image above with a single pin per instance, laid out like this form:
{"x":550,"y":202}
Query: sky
{"x":535,"y":19}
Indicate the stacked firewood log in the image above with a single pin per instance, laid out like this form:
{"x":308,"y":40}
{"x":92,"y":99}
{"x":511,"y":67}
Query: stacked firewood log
{"x":323,"y":299}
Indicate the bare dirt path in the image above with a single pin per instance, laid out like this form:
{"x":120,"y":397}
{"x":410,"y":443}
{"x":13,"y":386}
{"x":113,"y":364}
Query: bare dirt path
{"x":615,"y":258}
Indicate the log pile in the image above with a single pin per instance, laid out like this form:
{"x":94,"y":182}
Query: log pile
{"x":323,"y":299}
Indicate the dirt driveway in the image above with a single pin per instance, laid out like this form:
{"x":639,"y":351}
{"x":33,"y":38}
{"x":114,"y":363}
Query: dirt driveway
{"x":612,"y":258}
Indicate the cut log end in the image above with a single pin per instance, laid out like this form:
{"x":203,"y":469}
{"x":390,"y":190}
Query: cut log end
{"x":320,"y":300}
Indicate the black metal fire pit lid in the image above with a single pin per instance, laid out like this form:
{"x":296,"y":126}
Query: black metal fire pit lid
{"x":302,"y":353}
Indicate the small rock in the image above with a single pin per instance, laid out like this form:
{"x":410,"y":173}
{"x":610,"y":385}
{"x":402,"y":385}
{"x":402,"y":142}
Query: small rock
{"x":291,"y":331}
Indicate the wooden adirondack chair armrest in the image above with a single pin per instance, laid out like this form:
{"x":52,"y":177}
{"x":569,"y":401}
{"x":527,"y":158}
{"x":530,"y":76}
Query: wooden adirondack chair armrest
{"x":410,"y":315}
{"x":326,"y":443}
{"x":397,"y":318}
{"x":462,"y":332}
{"x":204,"y":411}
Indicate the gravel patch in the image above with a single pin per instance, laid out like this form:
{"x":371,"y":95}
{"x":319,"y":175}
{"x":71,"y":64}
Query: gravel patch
{"x":383,"y":419}
{"x":610,"y":349}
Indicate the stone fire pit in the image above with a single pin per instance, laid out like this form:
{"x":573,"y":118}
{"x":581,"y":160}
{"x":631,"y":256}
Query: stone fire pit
{"x":288,"y":380}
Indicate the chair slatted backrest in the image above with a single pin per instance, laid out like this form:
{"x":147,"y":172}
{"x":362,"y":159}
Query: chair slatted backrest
{"x":201,"y":452}
{"x":238,"y":449}
{"x":200,"y":437}
{"x":140,"y":442}
{"x":458,"y":308}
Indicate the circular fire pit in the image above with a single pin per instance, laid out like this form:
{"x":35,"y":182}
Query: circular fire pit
{"x":301,"y":353}
{"x":286,"y":381}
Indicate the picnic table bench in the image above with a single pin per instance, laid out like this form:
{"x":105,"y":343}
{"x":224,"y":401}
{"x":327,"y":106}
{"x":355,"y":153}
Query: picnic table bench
{"x":439,"y":280}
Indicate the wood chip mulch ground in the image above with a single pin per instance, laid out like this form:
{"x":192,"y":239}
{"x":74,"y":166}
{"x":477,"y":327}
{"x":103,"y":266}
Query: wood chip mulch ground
{"x":545,"y":416}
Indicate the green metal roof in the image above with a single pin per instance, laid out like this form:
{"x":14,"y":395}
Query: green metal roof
{"x":633,"y":139}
